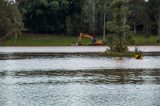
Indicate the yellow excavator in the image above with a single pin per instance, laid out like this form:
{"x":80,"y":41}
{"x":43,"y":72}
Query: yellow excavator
{"x":93,"y":39}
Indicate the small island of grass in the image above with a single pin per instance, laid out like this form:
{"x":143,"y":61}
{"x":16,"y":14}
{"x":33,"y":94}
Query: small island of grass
{"x":118,"y":54}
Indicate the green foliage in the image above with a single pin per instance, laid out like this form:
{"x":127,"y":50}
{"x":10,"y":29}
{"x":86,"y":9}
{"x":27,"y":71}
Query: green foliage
{"x":54,"y":5}
{"x":118,"y":54}
{"x":71,"y":17}
{"x":42,"y":16}
{"x":138,"y":17}
{"x":120,"y":35}
{"x":50,"y":16}
{"x":117,"y":44}
{"x":153,"y":6}
{"x":154,"y":11}
{"x":10,"y":20}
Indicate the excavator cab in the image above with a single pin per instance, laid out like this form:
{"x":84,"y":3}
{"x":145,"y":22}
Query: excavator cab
{"x":94,"y":41}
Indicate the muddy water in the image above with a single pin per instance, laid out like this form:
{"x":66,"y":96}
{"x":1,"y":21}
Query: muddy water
{"x":80,"y":81}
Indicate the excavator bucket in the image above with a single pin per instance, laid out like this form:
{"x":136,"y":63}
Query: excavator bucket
{"x":99,"y":42}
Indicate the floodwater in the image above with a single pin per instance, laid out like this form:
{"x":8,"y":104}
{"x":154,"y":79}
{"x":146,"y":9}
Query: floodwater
{"x":79,"y":80}
{"x":71,"y":49}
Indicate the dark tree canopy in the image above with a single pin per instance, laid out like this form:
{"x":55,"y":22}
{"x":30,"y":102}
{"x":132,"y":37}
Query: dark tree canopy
{"x":74,"y":16}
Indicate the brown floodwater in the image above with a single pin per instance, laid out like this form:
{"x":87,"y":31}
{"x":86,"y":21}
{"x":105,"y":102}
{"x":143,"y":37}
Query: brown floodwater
{"x":78,"y":80}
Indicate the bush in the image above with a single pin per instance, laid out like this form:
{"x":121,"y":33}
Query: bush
{"x":109,"y":53}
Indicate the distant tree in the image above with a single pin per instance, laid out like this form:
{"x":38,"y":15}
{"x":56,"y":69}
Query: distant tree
{"x":119,"y":30}
{"x":75,"y":17}
{"x":103,"y":8}
{"x":10,"y":20}
{"x":90,"y":10}
{"x":18,"y":2}
{"x":69,"y":26}
{"x":45,"y":16}
{"x":154,"y":11}
{"x":88,"y":16}
{"x":137,"y":8}
{"x":146,"y":20}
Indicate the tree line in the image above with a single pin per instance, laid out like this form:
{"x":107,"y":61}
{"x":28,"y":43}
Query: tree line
{"x":70,"y":17}
{"x":90,"y":16}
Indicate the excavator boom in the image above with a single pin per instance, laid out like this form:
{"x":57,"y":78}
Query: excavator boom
{"x":84,"y":35}
{"x":94,"y":41}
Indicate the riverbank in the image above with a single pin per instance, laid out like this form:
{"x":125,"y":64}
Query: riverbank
{"x":62,"y":40}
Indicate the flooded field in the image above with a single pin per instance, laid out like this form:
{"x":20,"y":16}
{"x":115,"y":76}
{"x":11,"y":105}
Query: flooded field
{"x":79,"y":80}
{"x":71,"y":49}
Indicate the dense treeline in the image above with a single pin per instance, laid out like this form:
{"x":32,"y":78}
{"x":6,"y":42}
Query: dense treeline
{"x":74,"y":16}
{"x":70,"y":17}
{"x":51,"y":16}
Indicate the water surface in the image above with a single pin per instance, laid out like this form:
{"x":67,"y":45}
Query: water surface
{"x":80,"y":81}
{"x":78,"y":62}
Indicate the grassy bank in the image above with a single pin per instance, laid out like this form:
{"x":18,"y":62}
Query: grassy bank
{"x":61,"y":40}
{"x":43,"y":40}
{"x":143,"y":40}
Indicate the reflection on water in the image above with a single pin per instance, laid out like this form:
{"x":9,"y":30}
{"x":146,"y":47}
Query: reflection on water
{"x":118,"y":76}
{"x":46,"y":82}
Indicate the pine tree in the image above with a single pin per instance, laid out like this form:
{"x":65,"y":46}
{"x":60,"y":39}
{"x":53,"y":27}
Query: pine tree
{"x":119,"y":30}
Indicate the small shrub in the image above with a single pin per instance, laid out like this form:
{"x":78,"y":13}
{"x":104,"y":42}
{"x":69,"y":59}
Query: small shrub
{"x":109,"y":53}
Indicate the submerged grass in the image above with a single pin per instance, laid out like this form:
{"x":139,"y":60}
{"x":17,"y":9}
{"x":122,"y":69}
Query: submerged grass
{"x":118,"y":54}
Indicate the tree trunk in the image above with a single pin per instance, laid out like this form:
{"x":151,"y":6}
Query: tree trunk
{"x":135,"y":30}
{"x":158,"y":35}
{"x":146,"y":29}
{"x":15,"y":38}
{"x":93,"y":17}
{"x":104,"y":26}
{"x":124,"y":24}
{"x":1,"y":42}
